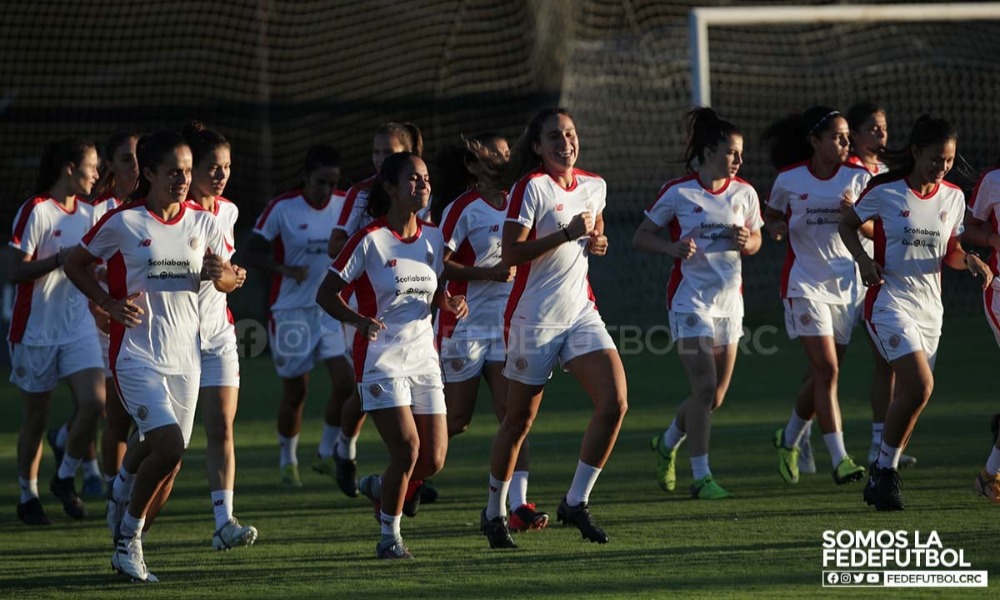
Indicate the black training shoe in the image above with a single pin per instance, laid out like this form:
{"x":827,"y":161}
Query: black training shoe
{"x":411,"y":504}
{"x":496,"y":531}
{"x":347,"y":476}
{"x":65,"y":490}
{"x":883,"y":489}
{"x":57,"y":452}
{"x":32,"y":513}
{"x":428,"y":495}
{"x":579,"y":516}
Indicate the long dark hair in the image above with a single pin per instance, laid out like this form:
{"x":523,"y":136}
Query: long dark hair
{"x":787,"y":139}
{"x":407,"y":134}
{"x":151,"y":151}
{"x":705,"y":131}
{"x":523,"y":158}
{"x":927,"y":131}
{"x":467,"y":164}
{"x":202,"y":140}
{"x":378,"y":199}
{"x":107,"y":181}
{"x":320,"y":156}
{"x":57,"y":155}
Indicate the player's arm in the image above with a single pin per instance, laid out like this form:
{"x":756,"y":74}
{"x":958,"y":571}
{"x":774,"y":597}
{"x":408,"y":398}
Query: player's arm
{"x":453,"y":304}
{"x":979,"y":233}
{"x":775,"y":224}
{"x":957,"y":258}
{"x":647,"y":239}
{"x":258,"y":253}
{"x":747,"y":242}
{"x":77,"y":269}
{"x":456,"y":271}
{"x":518,"y":249}
{"x":597,"y":242}
{"x":329,"y":299}
{"x":24,"y":268}
{"x":871,"y":271}
{"x":338,"y":239}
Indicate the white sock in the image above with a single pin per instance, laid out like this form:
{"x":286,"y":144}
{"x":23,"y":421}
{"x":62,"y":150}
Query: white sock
{"x":518,"y":492}
{"x":992,"y":465}
{"x":888,"y":457}
{"x":699,"y":467}
{"x":29,"y":488}
{"x":69,"y":466}
{"x":495,"y":507}
{"x":289,"y":449}
{"x":328,"y":441}
{"x":131,"y":526}
{"x":62,"y":436}
{"x":835,"y":444}
{"x":222,"y":503}
{"x":795,"y":429}
{"x":673,"y":436}
{"x":390,"y":525}
{"x":91,"y":468}
{"x":122,"y":489}
{"x":583,"y":482}
{"x":347,"y":447}
{"x":877,"y":434}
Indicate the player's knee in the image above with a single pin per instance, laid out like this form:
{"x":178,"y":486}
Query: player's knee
{"x":825,"y":374}
{"x":458,"y":423}
{"x":613,"y":408}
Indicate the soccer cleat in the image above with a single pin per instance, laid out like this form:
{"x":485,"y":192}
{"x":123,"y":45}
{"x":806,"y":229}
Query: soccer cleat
{"x":806,"y":462}
{"x":392,"y":549}
{"x":325,"y":466}
{"x":847,"y":471}
{"x":525,"y":517}
{"x":905,"y":460}
{"x":707,"y":489}
{"x":496,"y":531}
{"x":883,"y":489}
{"x":428,"y":495}
{"x":666,"y":461}
{"x":985,"y":485}
{"x":233,"y":534}
{"x":65,"y":490}
{"x":57,"y":452}
{"x":347,"y":476}
{"x":32,"y":513}
{"x":290,"y":476}
{"x":115,"y":512}
{"x":580,"y":517}
{"x":411,"y":504}
{"x":93,"y":486}
{"x":367,"y":488}
{"x":128,"y":559}
{"x":788,"y":458}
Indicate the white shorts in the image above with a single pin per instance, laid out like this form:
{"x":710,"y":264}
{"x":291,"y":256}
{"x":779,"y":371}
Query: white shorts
{"x":301,"y":336}
{"x":896,"y":336}
{"x":220,"y":367}
{"x":805,"y":317}
{"x":38,"y":369}
{"x":424,"y":393}
{"x":105,"y":341}
{"x":155,"y":400}
{"x":723,"y":331}
{"x":463,"y":359}
{"x":533,"y":351}
{"x":991,"y":306}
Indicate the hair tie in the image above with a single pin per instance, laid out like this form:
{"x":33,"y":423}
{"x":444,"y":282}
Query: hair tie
{"x":826,"y":117}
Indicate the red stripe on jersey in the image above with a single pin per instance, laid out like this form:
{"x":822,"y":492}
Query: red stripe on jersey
{"x":446,"y":319}
{"x":459,"y":205}
{"x":22,"y":222}
{"x":89,"y":236}
{"x":352,"y":243}
{"x":994,"y":256}
{"x":872,"y":293}
{"x":675,"y":273}
{"x":118,"y":288}
{"x":352,"y":197}
{"x":368,"y":307}
{"x":517,"y":194}
{"x":520,"y":283}
{"x":590,"y":293}
{"x":786,"y":270}
{"x":667,"y":186}
{"x":22,"y":308}
{"x":270,"y":206}
{"x":277,"y":278}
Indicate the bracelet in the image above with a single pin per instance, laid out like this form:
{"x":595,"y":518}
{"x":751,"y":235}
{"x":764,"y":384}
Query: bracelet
{"x":566,"y":231}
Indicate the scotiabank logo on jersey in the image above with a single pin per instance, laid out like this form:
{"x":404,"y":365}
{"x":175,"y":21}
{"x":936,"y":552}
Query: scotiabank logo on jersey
{"x":415,"y":285}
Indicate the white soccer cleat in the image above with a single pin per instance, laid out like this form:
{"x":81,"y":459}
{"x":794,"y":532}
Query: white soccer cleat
{"x":233,"y":534}
{"x":128,"y":559}
{"x":115,"y":513}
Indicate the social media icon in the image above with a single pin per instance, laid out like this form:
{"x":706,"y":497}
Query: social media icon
{"x":872,"y":578}
{"x":251,"y":338}
{"x":292,"y":338}
{"x":859,"y":577}
{"x":832,"y":578}
{"x":845,"y":578}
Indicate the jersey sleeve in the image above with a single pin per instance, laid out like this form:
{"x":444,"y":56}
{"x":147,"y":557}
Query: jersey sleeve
{"x":600,"y":199}
{"x":455,"y":228}
{"x":986,"y":196}
{"x":778,"y":200}
{"x":269,"y":224}
{"x":753,"y":219}
{"x":103,"y":239}
{"x":28,"y":230}
{"x":350,"y":266}
{"x":958,"y":217}
{"x":439,"y":260}
{"x":524,"y":205}
{"x":858,"y":184}
{"x":867,"y":207}
{"x":663,"y":210}
{"x":215,"y":239}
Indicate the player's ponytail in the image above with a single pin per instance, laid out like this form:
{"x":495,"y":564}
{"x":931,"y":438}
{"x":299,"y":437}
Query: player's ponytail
{"x":378,"y":198}
{"x":927,"y":131}
{"x":705,"y":131}
{"x":406,"y":134}
{"x":150,"y":152}
{"x":55,"y":156}
{"x":787,"y":139}
{"x":462,"y":166}
{"x":523,"y":158}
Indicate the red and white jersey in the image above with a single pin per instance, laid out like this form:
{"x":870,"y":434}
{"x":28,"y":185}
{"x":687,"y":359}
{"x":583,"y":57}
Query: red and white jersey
{"x":104,"y":204}
{"x":354,"y":214}
{"x":711,"y":281}
{"x":300,"y":233}
{"x":216,"y":321}
{"x":49,"y":310}
{"x":163,"y":260}
{"x":912,"y":236}
{"x":817,"y":265}
{"x":986,"y":207}
{"x":394,"y":280}
{"x":880,"y":167}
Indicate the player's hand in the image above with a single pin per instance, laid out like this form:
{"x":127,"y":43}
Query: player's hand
{"x":741,"y":235}
{"x":581,"y":225}
{"x":778,"y":230}
{"x":125,"y":311}
{"x":502,"y":274}
{"x":597,"y":244}
{"x":369,"y":327}
{"x":241,"y":275}
{"x":213,"y":267}
{"x":683,"y":249}
{"x":871,"y":271}
{"x":299,"y":274}
{"x":101,"y":317}
{"x":457,"y":306}
{"x":978,"y":268}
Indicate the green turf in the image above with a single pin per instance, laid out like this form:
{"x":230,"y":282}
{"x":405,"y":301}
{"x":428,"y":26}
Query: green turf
{"x":764,"y":543}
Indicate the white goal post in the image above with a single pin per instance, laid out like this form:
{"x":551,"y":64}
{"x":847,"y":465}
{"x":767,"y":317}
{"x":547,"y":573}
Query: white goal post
{"x":700,"y":19}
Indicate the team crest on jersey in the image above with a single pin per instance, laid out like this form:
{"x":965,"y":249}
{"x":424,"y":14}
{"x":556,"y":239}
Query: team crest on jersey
{"x":691,"y":320}
{"x":943,"y":216}
{"x":142,"y":413}
{"x":521,"y":363}
{"x":805,"y":320}
{"x":894,"y":341}
{"x":193,"y":243}
{"x":375,"y":390}
{"x":457,"y":364}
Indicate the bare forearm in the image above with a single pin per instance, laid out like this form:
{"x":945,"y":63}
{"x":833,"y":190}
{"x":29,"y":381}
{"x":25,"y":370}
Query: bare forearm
{"x":646,"y":241}
{"x":30,"y":270}
{"x":519,"y":253}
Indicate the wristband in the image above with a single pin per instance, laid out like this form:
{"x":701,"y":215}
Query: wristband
{"x":566,"y":231}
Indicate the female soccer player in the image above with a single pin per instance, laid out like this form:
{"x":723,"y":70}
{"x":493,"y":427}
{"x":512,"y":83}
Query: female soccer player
{"x":52,"y":335}
{"x":819,"y":283}
{"x":918,"y":218}
{"x":395,"y":263}
{"x":290,"y":239}
{"x":220,"y":365}
{"x":555,"y":220}
{"x":713,"y":217}
{"x":158,"y":251}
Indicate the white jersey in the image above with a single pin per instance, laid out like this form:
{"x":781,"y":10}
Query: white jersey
{"x":104,"y":204}
{"x":472,"y":230}
{"x":553,"y":289}
{"x":986,"y":207}
{"x":217,"y":325}
{"x":162,"y":260}
{"x":354,"y":214}
{"x":880,"y":167}
{"x":710,"y":282}
{"x":49,"y":310}
{"x":394,"y":281}
{"x":817,"y":265}
{"x":912,"y":236}
{"x":300,"y":233}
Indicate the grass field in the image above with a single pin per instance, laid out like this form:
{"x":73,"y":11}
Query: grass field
{"x":765,"y":543}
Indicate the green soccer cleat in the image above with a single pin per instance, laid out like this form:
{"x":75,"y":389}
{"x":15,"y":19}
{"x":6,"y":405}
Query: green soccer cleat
{"x":290,"y":476}
{"x":666,"y":461}
{"x":325,"y":466}
{"x":848,"y":471}
{"x":788,"y":458}
{"x":706,"y":489}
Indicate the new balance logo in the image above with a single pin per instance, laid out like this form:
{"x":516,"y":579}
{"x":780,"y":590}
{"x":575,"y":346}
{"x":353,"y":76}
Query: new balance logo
{"x":698,"y":209}
{"x":57,"y":233}
{"x":391,"y":263}
{"x":904,"y":213}
{"x":494,"y":228}
{"x":559,"y":206}
{"x":804,"y":197}
{"x":304,"y":226}
{"x":145,"y":243}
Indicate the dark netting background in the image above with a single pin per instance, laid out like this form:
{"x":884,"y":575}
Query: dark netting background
{"x":278,"y":76}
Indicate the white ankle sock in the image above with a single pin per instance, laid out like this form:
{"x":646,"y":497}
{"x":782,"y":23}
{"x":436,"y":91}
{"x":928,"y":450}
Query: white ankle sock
{"x":91,"y":468}
{"x":122,"y":488}
{"x":795,"y":429}
{"x":222,"y":504}
{"x":132,"y":526}
{"x":888,"y":457}
{"x":289,"y":449}
{"x":328,"y":441}
{"x":69,"y":466}
{"x":518,"y":492}
{"x":390,"y":525}
{"x":835,"y":444}
{"x":29,"y":488}
{"x":699,"y":467}
{"x":992,"y":465}
{"x":583,"y":482}
{"x":347,"y":447}
{"x":673,"y":436}
{"x":495,"y":507}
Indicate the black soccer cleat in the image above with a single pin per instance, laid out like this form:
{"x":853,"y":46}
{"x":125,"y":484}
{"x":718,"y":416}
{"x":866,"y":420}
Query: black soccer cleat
{"x":411,"y":504}
{"x":32,"y":513}
{"x":496,"y":531}
{"x":579,"y":516}
{"x":57,"y":452}
{"x":883,"y":490}
{"x":428,"y":495}
{"x":347,"y":476}
{"x":65,"y":490}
